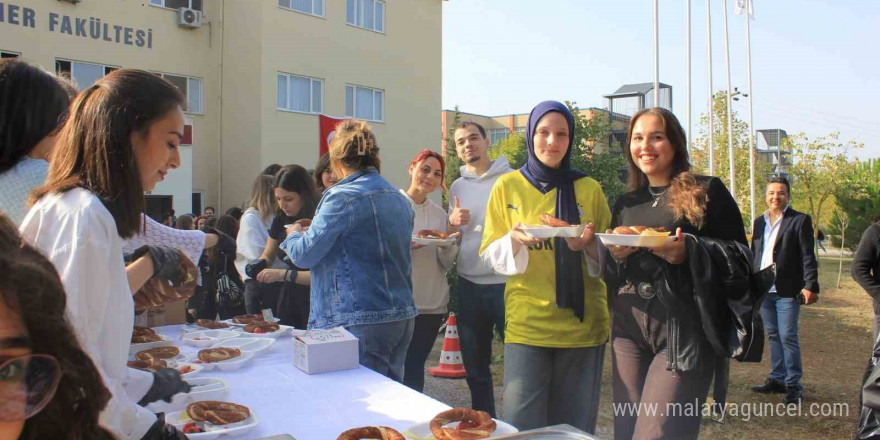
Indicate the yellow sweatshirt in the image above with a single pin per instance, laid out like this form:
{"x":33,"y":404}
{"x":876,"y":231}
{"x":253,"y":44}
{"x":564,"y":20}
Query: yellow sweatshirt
{"x":531,"y":315}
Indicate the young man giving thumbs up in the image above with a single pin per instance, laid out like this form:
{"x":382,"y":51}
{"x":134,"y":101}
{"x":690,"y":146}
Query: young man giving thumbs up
{"x":480,"y":289}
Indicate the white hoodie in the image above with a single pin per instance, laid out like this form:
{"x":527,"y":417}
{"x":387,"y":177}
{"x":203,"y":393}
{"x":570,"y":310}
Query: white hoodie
{"x":473,"y":192}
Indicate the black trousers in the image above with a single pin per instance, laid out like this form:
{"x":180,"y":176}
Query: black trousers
{"x":293,"y":305}
{"x":424,"y":335}
{"x":259,"y":296}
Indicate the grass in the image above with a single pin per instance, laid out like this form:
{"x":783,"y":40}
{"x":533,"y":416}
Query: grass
{"x":835,"y":337}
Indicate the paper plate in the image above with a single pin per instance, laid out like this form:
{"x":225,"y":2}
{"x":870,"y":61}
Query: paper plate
{"x":180,"y":418}
{"x":634,"y":240}
{"x":541,"y":231}
{"x":207,"y":338}
{"x":442,"y":242}
{"x":227,"y":365}
{"x":246,"y":345}
{"x":282,"y":331}
{"x":203,"y":388}
{"x":422,"y":431}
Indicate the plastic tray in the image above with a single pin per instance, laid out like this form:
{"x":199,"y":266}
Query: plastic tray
{"x":180,"y":418}
{"x":229,"y":321}
{"x":204,"y":388}
{"x":197,"y":368}
{"x":442,"y":242}
{"x":541,"y":231}
{"x":246,"y":345}
{"x":227,"y":365}
{"x":134,"y":348}
{"x":422,"y":431}
{"x":283,"y":331}
{"x":634,"y":240}
{"x":209,"y":337}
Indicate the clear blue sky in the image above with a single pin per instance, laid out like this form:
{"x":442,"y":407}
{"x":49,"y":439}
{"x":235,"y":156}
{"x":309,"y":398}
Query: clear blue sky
{"x":815,"y":63}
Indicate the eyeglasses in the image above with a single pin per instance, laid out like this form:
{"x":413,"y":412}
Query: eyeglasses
{"x":27,"y":384}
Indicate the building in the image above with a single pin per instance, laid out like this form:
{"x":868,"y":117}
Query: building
{"x":256,"y":74}
{"x":771,"y":149}
{"x":631,"y":98}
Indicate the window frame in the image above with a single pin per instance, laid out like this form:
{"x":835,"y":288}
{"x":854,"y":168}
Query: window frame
{"x":323,"y":8}
{"x":354,"y":21}
{"x":107,"y":68}
{"x":312,"y":81}
{"x":11,"y":52}
{"x":162,"y":6}
{"x":374,"y":90}
{"x":189,"y":78}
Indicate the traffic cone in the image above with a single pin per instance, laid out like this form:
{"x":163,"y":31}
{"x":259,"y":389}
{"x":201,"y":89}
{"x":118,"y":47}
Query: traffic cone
{"x":450,"y":355}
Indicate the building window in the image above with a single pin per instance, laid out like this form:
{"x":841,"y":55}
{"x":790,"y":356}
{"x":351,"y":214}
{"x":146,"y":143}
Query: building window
{"x":498,"y":134}
{"x":8,"y":54}
{"x":82,"y":74}
{"x":300,"y":93}
{"x":177,"y":4}
{"x":191,"y":88}
{"x":520,"y":130}
{"x":368,"y":14}
{"x":364,"y":103}
{"x":311,"y":7}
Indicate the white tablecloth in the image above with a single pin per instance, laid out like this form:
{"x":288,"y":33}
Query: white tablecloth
{"x":315,"y":407}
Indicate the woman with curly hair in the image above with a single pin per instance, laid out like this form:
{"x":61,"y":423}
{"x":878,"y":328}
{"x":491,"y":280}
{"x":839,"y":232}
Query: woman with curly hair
{"x":64,"y":393}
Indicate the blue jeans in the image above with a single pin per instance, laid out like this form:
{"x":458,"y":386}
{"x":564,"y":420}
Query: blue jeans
{"x":382,"y":347}
{"x":480,"y":309}
{"x":781,"y":322}
{"x":548,"y":386}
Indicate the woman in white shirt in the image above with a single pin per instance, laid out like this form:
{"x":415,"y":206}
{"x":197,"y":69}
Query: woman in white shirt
{"x":121,"y":138}
{"x":429,"y":264}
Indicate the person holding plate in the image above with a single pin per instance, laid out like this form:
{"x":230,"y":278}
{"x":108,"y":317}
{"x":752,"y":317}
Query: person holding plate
{"x":647,"y":366}
{"x":429,"y":263}
{"x":557,"y":316}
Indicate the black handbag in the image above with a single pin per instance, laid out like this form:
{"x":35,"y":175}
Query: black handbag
{"x":229,"y":291}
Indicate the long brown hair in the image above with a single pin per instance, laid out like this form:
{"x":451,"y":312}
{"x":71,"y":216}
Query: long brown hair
{"x":295,"y":178}
{"x":31,"y":288}
{"x":94,"y":148}
{"x":687,"y":198}
{"x":354,"y":146}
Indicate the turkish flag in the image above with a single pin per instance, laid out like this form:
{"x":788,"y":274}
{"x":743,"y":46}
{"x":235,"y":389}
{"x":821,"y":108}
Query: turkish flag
{"x":326,"y":132}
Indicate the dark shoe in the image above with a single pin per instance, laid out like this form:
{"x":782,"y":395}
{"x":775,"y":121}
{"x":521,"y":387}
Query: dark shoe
{"x":770,"y":387}
{"x":793,"y":395}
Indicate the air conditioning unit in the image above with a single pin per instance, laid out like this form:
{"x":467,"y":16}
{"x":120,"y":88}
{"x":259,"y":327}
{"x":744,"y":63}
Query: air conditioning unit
{"x":190,"y":18}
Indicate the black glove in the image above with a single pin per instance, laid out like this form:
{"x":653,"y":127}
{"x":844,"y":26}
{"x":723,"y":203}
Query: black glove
{"x":225,"y":244}
{"x":166,"y":261}
{"x":255,"y":267}
{"x":166,"y":383}
{"x":162,"y":431}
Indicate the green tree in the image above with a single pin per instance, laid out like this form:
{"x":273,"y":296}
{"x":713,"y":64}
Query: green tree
{"x":514,"y":148}
{"x":592,"y":154}
{"x":453,"y":163}
{"x":817,"y":168}
{"x":700,"y":156}
{"x":857,"y":193}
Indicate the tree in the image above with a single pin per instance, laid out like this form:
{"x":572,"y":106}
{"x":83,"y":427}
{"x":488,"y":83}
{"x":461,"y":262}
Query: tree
{"x":453,"y":163}
{"x":817,"y":168}
{"x":592,"y":154}
{"x":857,"y":193}
{"x":700,"y":156}
{"x":843,"y":221}
{"x":514,"y":148}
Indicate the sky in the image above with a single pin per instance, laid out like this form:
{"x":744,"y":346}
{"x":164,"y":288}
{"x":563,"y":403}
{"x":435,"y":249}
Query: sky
{"x":815,"y":63}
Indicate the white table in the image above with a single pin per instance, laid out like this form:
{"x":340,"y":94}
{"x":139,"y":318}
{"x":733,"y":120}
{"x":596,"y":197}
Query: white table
{"x":315,"y":407}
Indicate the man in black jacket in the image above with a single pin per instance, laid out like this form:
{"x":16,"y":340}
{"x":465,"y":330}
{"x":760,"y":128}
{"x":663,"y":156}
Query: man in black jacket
{"x":866,"y":268}
{"x":785,"y":237}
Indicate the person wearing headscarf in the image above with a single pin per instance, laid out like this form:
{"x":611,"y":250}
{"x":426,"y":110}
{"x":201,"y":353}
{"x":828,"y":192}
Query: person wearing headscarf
{"x":557,"y":313}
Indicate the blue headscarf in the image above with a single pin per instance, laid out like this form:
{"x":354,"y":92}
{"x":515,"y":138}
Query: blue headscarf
{"x":569,"y":274}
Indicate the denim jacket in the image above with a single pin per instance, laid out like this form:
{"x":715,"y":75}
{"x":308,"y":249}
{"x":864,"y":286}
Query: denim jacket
{"x":358,"y":251}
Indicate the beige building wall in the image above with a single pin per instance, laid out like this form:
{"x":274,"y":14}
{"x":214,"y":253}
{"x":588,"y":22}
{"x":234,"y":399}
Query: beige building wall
{"x":237,"y":53}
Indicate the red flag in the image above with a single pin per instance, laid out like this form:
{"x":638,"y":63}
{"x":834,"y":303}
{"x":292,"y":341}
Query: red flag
{"x":326,"y":132}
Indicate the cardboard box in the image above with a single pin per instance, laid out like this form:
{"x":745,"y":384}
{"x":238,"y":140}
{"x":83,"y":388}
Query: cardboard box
{"x":322,"y":351}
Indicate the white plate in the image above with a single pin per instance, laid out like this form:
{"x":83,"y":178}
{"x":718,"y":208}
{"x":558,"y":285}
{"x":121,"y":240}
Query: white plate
{"x":172,"y":362}
{"x":442,"y":242}
{"x":180,"y":418}
{"x":282,"y":331}
{"x":422,"y":431}
{"x":207,"y":338}
{"x":541,"y":231}
{"x":246,"y":345}
{"x":197,"y":368}
{"x":229,"y":321}
{"x":203,"y":388}
{"x":227,"y":365}
{"x":634,"y":240}
{"x":166,"y":341}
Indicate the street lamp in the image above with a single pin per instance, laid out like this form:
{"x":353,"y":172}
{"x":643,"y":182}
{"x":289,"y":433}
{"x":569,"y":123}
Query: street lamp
{"x":736,"y":93}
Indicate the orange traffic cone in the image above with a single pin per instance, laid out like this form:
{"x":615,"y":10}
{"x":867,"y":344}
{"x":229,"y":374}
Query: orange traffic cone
{"x":450,"y":355}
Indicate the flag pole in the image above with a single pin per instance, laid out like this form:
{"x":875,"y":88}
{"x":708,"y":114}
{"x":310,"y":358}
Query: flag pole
{"x":711,"y":91}
{"x":689,"y":133}
{"x":751,"y":119}
{"x":729,"y":102}
{"x":656,"y":54}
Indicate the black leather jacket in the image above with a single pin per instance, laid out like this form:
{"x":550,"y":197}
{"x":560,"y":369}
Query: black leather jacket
{"x":700,"y":321}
